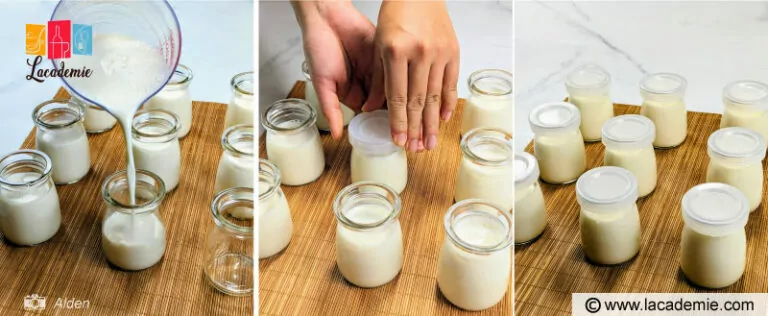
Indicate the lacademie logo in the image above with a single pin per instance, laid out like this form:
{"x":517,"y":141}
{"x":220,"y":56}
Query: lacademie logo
{"x":58,"y":40}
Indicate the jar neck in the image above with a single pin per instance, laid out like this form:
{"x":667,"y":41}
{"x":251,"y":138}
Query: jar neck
{"x":150,"y":191}
{"x":479,"y":227}
{"x":366,"y":206}
{"x":25,"y":168}
{"x":488,"y":147}
{"x":227,"y":204}
{"x":181,"y":79}
{"x":238,"y":141}
{"x":269,"y":179}
{"x":58,"y":114}
{"x":491,"y":83}
{"x":289,"y":116}
{"x":156,"y":126}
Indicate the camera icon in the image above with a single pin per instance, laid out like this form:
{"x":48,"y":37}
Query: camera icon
{"x":34,"y":302}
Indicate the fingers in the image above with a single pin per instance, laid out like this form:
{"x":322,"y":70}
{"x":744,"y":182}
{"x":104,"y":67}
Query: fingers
{"x":431,"y":118}
{"x":396,"y":91}
{"x":417,"y":91}
{"x":329,"y":103}
{"x":450,"y":96}
{"x":376,"y":96}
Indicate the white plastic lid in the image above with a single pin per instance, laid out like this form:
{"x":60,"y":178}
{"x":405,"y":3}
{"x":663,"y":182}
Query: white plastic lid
{"x":737,"y":143}
{"x":715,"y":209}
{"x":747,"y":93}
{"x":629,"y":131}
{"x":603,"y":187}
{"x":370,"y":133}
{"x":554,"y":117}
{"x":526,"y":170}
{"x":588,"y":78}
{"x":663,"y":83}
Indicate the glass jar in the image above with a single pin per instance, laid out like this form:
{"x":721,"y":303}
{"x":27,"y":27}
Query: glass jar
{"x":156,"y":145}
{"x":628,"y":141}
{"x":663,"y":103}
{"x":236,"y":163}
{"x":175,"y":98}
{"x":229,"y":262}
{"x":589,"y":89}
{"x":475,"y":262}
{"x":292,"y":145}
{"x":61,"y":135}
{"x":240,"y":109}
{"x":530,"y":212}
{"x":746,"y":105}
{"x":275,"y":224}
{"x":29,"y":203}
{"x":96,"y":119}
{"x":609,"y":219}
{"x":369,"y":240}
{"x":311,"y":96}
{"x":714,"y":244}
{"x":486,"y":171}
{"x":736,"y":158}
{"x":557,"y":142}
{"x":374,"y":156}
{"x":133,"y":233}
{"x":490,"y":102}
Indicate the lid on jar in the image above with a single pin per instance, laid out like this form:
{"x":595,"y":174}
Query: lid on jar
{"x":526,"y":169}
{"x":747,"y":92}
{"x":737,"y":143}
{"x":629,"y":131}
{"x":715,"y":209}
{"x":603,"y":187}
{"x":370,"y":133}
{"x":554,"y":117}
{"x":663,"y":83}
{"x":589,"y":78}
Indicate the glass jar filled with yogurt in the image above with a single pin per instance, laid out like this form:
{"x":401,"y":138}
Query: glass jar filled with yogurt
{"x":609,"y":219}
{"x":589,"y":89}
{"x":663,"y":102}
{"x":133,"y":233}
{"x":236,"y":163}
{"x":29,"y":203}
{"x":557,"y":142}
{"x":275,"y":223}
{"x":369,"y":240}
{"x":240,"y":109}
{"x":374,"y":156}
{"x":628,"y":143}
{"x":475,"y":262}
{"x":96,"y":119}
{"x":714,"y":243}
{"x":156,"y":145}
{"x":736,"y":158}
{"x":175,"y":98}
{"x":746,"y":105}
{"x":61,"y":135}
{"x":490,"y":102}
{"x":486,"y":171}
{"x":530,"y":211}
{"x":293,"y":144}
{"x":229,"y":252}
{"x":311,"y":96}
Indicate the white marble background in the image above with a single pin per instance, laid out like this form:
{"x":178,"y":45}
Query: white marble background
{"x":217,"y":44}
{"x":483,"y":28}
{"x":708,"y":43}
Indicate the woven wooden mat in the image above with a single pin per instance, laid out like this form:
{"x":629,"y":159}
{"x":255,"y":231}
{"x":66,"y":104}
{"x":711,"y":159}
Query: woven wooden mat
{"x":71,"y":264}
{"x":304,"y":280}
{"x":550,"y":269}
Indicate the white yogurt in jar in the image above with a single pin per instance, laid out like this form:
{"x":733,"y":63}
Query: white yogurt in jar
{"x":293,"y":147}
{"x":746,"y":105}
{"x":486,"y":171}
{"x":374,"y":156}
{"x":61,"y":135}
{"x":156,"y":145}
{"x":133,"y":242}
{"x":490,"y":103}
{"x":628,"y":143}
{"x":311,"y":96}
{"x":530,"y":212}
{"x":175,"y":98}
{"x":97,"y":120}
{"x":714,"y":243}
{"x":736,"y":158}
{"x":558,"y":144}
{"x":236,"y":163}
{"x":663,"y":103}
{"x":240,"y":109}
{"x":609,"y":220}
{"x":589,"y":88}
{"x":275,"y":224}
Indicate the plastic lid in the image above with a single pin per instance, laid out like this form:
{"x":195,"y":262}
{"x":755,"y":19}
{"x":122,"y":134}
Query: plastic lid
{"x":737,"y":143}
{"x":554,"y":117}
{"x":588,"y":78}
{"x":526,"y":169}
{"x":606,"y":186}
{"x":663,"y":83}
{"x":715,"y":209}
{"x":629,"y":131}
{"x":747,"y":92}
{"x":369,"y":132}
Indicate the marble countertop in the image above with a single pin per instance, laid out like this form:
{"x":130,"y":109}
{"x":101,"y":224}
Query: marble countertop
{"x":708,"y":43}
{"x":218,"y":43}
{"x":484,"y":31}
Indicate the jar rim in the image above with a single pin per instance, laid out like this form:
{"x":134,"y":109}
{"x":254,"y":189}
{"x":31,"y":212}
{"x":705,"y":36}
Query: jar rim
{"x":146,"y":207}
{"x":623,"y":184}
{"x":588,"y":68}
{"x":482,"y":135}
{"x":237,"y":194}
{"x":572,"y":121}
{"x":506,"y":220}
{"x":754,"y":153}
{"x":240,"y":81}
{"x":739,"y":213}
{"x":646,"y":86}
{"x":267,"y":168}
{"x":761,"y":101}
{"x":645,"y":137}
{"x":244,"y":131}
{"x":146,"y":116}
{"x":352,"y":190}
{"x":46,"y":168}
{"x":293,"y":105}
{"x":184,"y":73}
{"x":39,"y":112}
{"x":479,"y":75}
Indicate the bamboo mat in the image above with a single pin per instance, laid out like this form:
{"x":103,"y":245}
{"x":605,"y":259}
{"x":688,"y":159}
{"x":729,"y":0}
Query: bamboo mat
{"x":71,"y":264}
{"x":550,"y":269}
{"x":304,"y":280}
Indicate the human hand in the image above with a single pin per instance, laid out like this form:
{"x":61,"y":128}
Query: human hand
{"x":417,"y":66}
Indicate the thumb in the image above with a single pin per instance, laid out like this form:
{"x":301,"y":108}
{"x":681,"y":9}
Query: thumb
{"x":329,"y":104}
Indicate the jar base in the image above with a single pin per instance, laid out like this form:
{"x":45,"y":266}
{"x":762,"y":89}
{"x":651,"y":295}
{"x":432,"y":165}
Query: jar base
{"x":226,"y":286}
{"x":100,"y":130}
{"x":560,"y":183}
{"x":670,"y":147}
{"x":592,"y":262}
{"x":74,"y":181}
{"x":532,"y":240}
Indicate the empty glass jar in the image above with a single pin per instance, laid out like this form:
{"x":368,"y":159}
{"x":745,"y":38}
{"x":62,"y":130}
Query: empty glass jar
{"x":589,"y":89}
{"x":486,"y":171}
{"x":275,"y":224}
{"x":229,"y":252}
{"x":490,"y":102}
{"x":236,"y":163}
{"x":156,"y":145}
{"x":61,"y":135}
{"x":240,"y":109}
{"x":175,"y":98}
{"x":293,"y":145}
{"x":663,"y":102}
{"x":557,"y":142}
{"x":746,"y":105}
